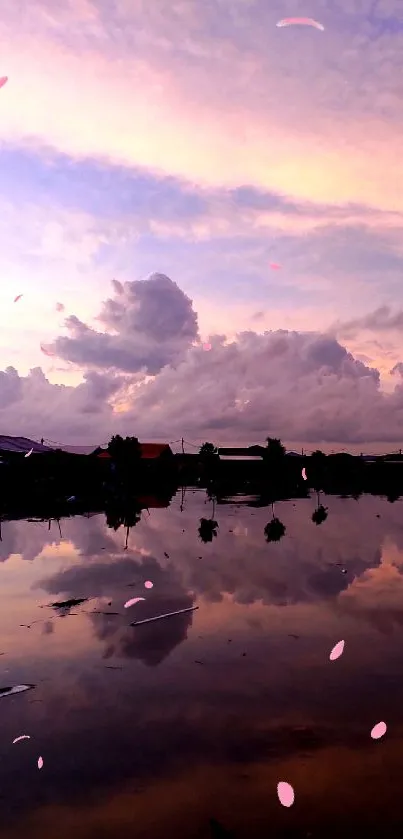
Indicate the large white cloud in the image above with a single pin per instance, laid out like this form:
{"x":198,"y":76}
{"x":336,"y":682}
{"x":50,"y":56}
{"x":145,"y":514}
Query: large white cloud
{"x":149,"y":375}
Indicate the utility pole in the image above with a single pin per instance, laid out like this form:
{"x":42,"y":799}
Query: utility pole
{"x":183,"y":450}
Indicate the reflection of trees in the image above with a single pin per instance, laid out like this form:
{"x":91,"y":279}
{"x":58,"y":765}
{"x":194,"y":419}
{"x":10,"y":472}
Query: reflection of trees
{"x":207,"y":529}
{"x":392,"y":497}
{"x":275,"y":529}
{"x":320,"y":514}
{"x":117,"y":517}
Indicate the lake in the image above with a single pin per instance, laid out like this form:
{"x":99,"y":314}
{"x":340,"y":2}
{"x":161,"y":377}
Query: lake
{"x":152,"y":731}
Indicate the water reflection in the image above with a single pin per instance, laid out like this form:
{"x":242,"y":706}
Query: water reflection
{"x":210,"y":709}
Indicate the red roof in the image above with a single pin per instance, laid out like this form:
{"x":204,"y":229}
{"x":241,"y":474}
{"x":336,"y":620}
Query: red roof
{"x":152,"y":450}
{"x":148,"y":450}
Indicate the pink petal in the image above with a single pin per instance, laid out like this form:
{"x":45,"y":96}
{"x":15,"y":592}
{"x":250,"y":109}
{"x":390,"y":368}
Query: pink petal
{"x":148,"y":584}
{"x":206,"y":347}
{"x":22,"y":737}
{"x":304,"y":475}
{"x":3,"y":80}
{"x":46,"y":351}
{"x":337,"y":651}
{"x":17,"y":298}
{"x":275,"y":266}
{"x":28,"y":453}
{"x":378,"y":730}
{"x":40,"y":762}
{"x":285,"y":794}
{"x":133,"y":601}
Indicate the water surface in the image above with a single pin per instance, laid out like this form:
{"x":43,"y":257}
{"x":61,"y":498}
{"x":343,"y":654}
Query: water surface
{"x":204,"y":713}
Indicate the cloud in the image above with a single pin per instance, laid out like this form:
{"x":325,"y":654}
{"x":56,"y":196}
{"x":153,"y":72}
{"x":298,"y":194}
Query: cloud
{"x":381,"y":320}
{"x":147,"y":374}
{"x":70,"y":411}
{"x":153,"y":324}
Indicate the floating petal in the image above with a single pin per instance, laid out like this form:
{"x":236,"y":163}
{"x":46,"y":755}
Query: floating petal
{"x":275,"y":266}
{"x":304,"y":475}
{"x":378,"y":730}
{"x":285,"y":794}
{"x":148,"y":584}
{"x":133,"y":601}
{"x":16,"y":689}
{"x":206,"y":347}
{"x":17,"y":298}
{"x":40,"y":762}
{"x":337,"y":651}
{"x":46,"y":351}
{"x":22,"y":737}
{"x":28,"y":453}
{"x":302,"y":21}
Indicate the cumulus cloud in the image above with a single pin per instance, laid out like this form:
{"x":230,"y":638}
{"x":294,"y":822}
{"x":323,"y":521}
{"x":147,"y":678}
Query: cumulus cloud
{"x":151,"y":323}
{"x":145,"y":372}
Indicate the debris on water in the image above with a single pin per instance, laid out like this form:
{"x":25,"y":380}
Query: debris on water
{"x":110,"y":667}
{"x":166,"y":615}
{"x":337,"y":651}
{"x":15,"y":689}
{"x":21,"y":737}
{"x":378,"y":730}
{"x":285,"y":793}
{"x":297,"y":637}
{"x":68,"y":604}
{"x":40,"y":762}
{"x":133,"y":601}
{"x":198,"y":662}
{"x":165,"y":554}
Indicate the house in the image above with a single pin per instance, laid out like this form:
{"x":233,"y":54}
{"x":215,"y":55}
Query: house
{"x":240,"y":454}
{"x":160,"y":452}
{"x":21,"y":445}
{"x":156,"y":451}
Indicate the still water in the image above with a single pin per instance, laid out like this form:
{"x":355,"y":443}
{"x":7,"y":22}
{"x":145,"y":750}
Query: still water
{"x":152,"y":731}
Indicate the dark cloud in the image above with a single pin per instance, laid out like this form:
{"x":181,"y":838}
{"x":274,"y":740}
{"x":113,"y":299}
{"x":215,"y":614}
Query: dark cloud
{"x":381,"y":320}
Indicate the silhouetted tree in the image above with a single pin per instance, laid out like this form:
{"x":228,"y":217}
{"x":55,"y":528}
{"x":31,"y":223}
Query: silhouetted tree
{"x":208,"y":450}
{"x":124,"y":450}
{"x":207,"y":529}
{"x":275,"y":451}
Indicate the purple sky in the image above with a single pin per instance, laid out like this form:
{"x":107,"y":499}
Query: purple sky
{"x":179,"y":149}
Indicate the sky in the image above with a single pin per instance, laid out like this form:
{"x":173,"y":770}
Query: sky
{"x":155,"y":159}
